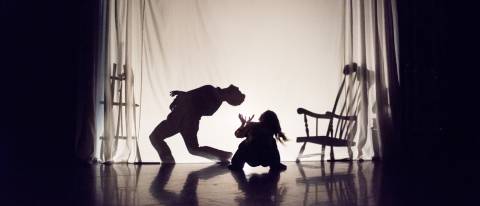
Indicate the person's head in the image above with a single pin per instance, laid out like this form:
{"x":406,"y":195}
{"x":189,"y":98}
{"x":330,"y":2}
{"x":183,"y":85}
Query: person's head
{"x":270,"y":120}
{"x":232,"y":95}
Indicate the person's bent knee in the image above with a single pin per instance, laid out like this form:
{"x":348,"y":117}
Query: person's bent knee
{"x":155,"y":139}
{"x":193,"y":150}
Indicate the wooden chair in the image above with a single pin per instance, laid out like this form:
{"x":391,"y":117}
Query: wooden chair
{"x":344,"y":121}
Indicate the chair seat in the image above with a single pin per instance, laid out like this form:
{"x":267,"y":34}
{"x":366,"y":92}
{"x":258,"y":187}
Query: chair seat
{"x":324,"y":140}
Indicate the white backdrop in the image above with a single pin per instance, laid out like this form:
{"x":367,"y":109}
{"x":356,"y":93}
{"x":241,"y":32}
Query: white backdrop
{"x":282,"y":54}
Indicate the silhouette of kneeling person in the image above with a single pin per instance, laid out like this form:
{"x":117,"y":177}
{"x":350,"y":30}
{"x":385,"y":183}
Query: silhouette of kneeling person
{"x":186,"y":111}
{"x":259,"y":148}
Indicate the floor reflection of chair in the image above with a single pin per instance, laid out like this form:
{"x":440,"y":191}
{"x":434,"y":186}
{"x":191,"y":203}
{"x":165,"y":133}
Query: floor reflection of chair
{"x":339,"y":186}
{"x":119,"y":185}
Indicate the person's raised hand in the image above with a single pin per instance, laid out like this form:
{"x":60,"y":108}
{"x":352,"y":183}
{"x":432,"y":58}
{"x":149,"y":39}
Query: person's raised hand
{"x":250,"y":119}
{"x":242,"y":119}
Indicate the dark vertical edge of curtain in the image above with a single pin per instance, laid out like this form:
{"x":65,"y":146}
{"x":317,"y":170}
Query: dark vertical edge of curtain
{"x":393,"y":76}
{"x":85,"y":133}
{"x":384,"y":125}
{"x":393,"y":135}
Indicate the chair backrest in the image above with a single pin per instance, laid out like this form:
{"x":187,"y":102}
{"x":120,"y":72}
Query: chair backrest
{"x":346,"y":104}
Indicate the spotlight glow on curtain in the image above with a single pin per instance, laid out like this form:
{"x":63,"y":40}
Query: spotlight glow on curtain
{"x":281,"y":54}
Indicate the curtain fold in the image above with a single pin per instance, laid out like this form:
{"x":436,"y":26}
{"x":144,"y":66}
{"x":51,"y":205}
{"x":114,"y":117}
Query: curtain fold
{"x":371,"y":39}
{"x":116,"y":107}
{"x":91,"y":90}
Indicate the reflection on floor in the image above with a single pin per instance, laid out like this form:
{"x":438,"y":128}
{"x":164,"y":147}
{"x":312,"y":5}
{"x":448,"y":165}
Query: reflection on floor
{"x":306,"y":183}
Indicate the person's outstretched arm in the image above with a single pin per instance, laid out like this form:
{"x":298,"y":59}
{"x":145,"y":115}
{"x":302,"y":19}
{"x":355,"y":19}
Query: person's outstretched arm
{"x":176,"y":92}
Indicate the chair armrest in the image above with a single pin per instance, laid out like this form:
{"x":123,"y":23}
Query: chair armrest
{"x":312,"y":114}
{"x":327,"y":115}
{"x":351,"y":118}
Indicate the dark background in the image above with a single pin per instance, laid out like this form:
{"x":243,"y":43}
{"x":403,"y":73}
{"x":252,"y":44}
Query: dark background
{"x":48,"y":46}
{"x":48,"y":52}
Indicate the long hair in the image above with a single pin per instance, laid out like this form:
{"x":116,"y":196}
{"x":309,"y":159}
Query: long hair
{"x":270,"y":120}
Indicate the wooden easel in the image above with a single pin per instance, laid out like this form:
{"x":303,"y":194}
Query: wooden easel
{"x":117,"y":90}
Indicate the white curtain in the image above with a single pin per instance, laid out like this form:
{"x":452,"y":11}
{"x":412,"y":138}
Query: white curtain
{"x":281,"y":54}
{"x":117,"y":112}
{"x":371,"y":41}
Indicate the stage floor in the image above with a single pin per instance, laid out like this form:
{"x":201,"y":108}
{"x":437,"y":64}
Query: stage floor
{"x":307,"y":183}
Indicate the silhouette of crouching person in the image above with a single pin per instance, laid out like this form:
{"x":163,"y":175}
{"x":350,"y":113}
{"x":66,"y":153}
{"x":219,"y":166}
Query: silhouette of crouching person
{"x":186,"y":111}
{"x":260,"y":147}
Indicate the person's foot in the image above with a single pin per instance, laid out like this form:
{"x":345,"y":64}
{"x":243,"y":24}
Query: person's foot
{"x":225,"y":157}
{"x":167,"y":159}
{"x":234,"y":168}
{"x":278,"y":167}
{"x":226,"y":163}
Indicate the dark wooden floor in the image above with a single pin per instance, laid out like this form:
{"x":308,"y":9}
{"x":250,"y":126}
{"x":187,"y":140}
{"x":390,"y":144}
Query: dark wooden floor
{"x":307,"y":183}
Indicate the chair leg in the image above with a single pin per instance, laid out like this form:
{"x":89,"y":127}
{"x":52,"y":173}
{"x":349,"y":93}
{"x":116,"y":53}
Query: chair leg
{"x":101,"y":150}
{"x":322,"y":154}
{"x":300,"y":153}
{"x":350,"y":153}
{"x":332,"y":156}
